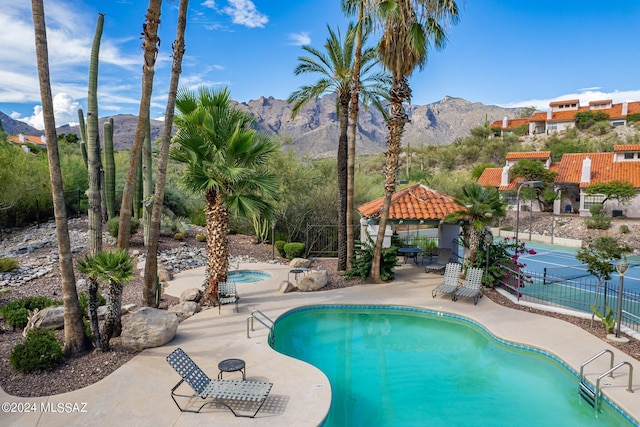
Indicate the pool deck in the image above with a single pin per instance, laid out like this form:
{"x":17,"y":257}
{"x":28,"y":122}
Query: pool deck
{"x":137,"y":394}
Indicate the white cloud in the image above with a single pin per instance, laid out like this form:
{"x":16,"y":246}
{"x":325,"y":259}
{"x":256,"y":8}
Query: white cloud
{"x":300,"y":39}
{"x":244,"y":12}
{"x":65,"y":109}
{"x":211,"y":4}
{"x":585,"y":95}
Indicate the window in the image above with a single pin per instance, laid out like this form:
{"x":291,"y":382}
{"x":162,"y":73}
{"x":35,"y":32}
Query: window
{"x":592,"y":199}
{"x":628,"y":156}
{"x":552,"y":127}
{"x":618,"y":123}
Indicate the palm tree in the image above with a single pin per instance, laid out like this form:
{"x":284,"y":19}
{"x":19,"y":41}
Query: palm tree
{"x":224,"y":157}
{"x":151,"y":262}
{"x":75,"y":339}
{"x":89,"y":266}
{"x":409,"y":27}
{"x":150,"y":47}
{"x":483,"y":205}
{"x":336,"y":70}
{"x":115,"y":268}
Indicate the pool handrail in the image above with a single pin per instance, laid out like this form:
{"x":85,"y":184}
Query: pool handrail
{"x":264,"y":323}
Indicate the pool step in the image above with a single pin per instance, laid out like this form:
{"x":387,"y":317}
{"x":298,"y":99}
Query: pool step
{"x":588,"y":394}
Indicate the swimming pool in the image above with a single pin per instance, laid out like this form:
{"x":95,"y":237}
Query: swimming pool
{"x":247,"y":276}
{"x":391,"y":366}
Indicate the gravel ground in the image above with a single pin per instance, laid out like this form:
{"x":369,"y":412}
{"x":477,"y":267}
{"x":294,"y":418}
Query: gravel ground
{"x":89,"y":368}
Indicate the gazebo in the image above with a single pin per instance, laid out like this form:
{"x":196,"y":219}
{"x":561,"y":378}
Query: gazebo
{"x":416,"y":207}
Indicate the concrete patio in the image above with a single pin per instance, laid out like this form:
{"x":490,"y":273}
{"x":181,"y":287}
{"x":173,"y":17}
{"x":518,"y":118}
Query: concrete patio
{"x":138,"y":392}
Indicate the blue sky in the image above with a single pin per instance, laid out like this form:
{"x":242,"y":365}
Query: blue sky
{"x":502,"y":52}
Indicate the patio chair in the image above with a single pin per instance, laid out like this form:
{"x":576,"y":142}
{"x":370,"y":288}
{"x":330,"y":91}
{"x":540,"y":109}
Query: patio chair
{"x":451,"y":281}
{"x":227,"y":294}
{"x":222,"y":392}
{"x":444,"y":256}
{"x":472,"y":286}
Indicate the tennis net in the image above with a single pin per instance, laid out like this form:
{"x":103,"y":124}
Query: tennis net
{"x":559,"y":274}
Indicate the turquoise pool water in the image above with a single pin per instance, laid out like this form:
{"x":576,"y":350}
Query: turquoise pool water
{"x":400,"y":366}
{"x":247,"y":276}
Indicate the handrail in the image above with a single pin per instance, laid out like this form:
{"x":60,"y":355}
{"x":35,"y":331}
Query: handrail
{"x":610,"y":371}
{"x":254,"y":316}
{"x":594,"y":358}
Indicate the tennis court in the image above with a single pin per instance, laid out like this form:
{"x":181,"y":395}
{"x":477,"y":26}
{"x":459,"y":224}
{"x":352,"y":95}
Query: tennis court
{"x":561,"y":264}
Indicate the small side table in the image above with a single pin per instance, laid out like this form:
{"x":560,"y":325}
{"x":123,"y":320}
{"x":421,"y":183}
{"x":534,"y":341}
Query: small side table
{"x":232,"y":365}
{"x":295,"y":273}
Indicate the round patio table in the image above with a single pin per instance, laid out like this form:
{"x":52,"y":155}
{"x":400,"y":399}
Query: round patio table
{"x":410,"y":253}
{"x":232,"y":365}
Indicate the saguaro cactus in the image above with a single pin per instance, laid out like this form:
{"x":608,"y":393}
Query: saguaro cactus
{"x":109,"y":169}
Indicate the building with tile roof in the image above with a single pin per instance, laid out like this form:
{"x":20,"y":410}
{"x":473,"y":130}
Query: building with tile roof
{"x":414,"y":208}
{"x":562,"y":115}
{"x":25,"y":141}
{"x":575,"y":172}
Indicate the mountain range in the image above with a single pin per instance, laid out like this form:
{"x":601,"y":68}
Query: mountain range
{"x":314,"y":131}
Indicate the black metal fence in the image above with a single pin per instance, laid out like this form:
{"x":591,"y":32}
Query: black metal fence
{"x":322,"y":240}
{"x":575,"y":294}
{"x":42,"y":211}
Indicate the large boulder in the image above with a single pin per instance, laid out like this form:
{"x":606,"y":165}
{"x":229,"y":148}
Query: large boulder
{"x":286,"y":287}
{"x":185,"y":309}
{"x":49,"y":317}
{"x":103,"y":309}
{"x":191,"y":294}
{"x":313,"y":281}
{"x":300,"y":263}
{"x":149,"y":327}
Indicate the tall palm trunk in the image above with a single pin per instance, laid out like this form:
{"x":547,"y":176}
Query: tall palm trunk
{"x":217,"y":217}
{"x":151,"y":263}
{"x":150,"y":47}
{"x":343,"y":154}
{"x":75,"y":339}
{"x":353,"y":128}
{"x":399,"y":93}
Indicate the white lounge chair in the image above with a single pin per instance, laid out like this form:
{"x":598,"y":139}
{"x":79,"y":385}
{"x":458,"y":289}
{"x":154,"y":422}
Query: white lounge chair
{"x":451,"y":281}
{"x":472,"y":286}
{"x":444,"y":257}
{"x":227,"y":294}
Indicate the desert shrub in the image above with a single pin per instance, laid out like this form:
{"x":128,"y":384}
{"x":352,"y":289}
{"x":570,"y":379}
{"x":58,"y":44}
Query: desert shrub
{"x":363,"y":259}
{"x":114,"y":223}
{"x":83,"y":299}
{"x":201,"y":237}
{"x":294,"y":250}
{"x":280,"y":248}
{"x":40,"y":352}
{"x":7,"y":264}
{"x":178,"y":236}
{"x":16,"y":313}
{"x":624,"y":229}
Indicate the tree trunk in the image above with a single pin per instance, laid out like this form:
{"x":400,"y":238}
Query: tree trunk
{"x":150,"y":47}
{"x":217,"y":218}
{"x":399,"y":93}
{"x":75,"y":339}
{"x":113,"y":314}
{"x":93,"y":147}
{"x":92,"y":303}
{"x":151,"y":263}
{"x":353,"y":128}
{"x":343,"y":154}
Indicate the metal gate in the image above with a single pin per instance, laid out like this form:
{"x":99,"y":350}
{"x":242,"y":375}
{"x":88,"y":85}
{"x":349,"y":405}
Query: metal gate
{"x":322,"y":241}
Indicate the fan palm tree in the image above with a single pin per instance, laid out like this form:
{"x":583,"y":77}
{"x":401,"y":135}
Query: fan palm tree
{"x":115,"y":268}
{"x":224,"y":157}
{"x":336,"y":70}
{"x":483,"y":205}
{"x":75,"y":339}
{"x":410,"y":26}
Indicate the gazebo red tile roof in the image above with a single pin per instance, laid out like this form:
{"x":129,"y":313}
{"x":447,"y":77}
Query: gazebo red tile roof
{"x":416,"y":202}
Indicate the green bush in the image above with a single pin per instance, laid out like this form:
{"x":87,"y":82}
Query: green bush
{"x":40,"y":352}
{"x":83,"y":299}
{"x":16,"y":313}
{"x":598,"y":222}
{"x":363,"y":259}
{"x":294,"y":250}
{"x":178,"y":236}
{"x":624,"y":229}
{"x":114,"y":223}
{"x":280,"y":248}
{"x":201,"y":237}
{"x":7,"y":264}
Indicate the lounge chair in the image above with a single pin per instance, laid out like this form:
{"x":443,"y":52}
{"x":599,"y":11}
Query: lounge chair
{"x":227,"y":294}
{"x":451,"y":281}
{"x":215,"y":391}
{"x":444,"y":256}
{"x":472,"y":286}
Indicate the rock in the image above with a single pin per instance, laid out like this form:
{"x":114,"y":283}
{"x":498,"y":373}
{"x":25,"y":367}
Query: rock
{"x":49,"y":317}
{"x":313,"y":281}
{"x":164,"y":275}
{"x":102,"y":310}
{"x":286,"y":287}
{"x":300,"y":263}
{"x":191,"y":294}
{"x":185,"y":309}
{"x":149,"y":327}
